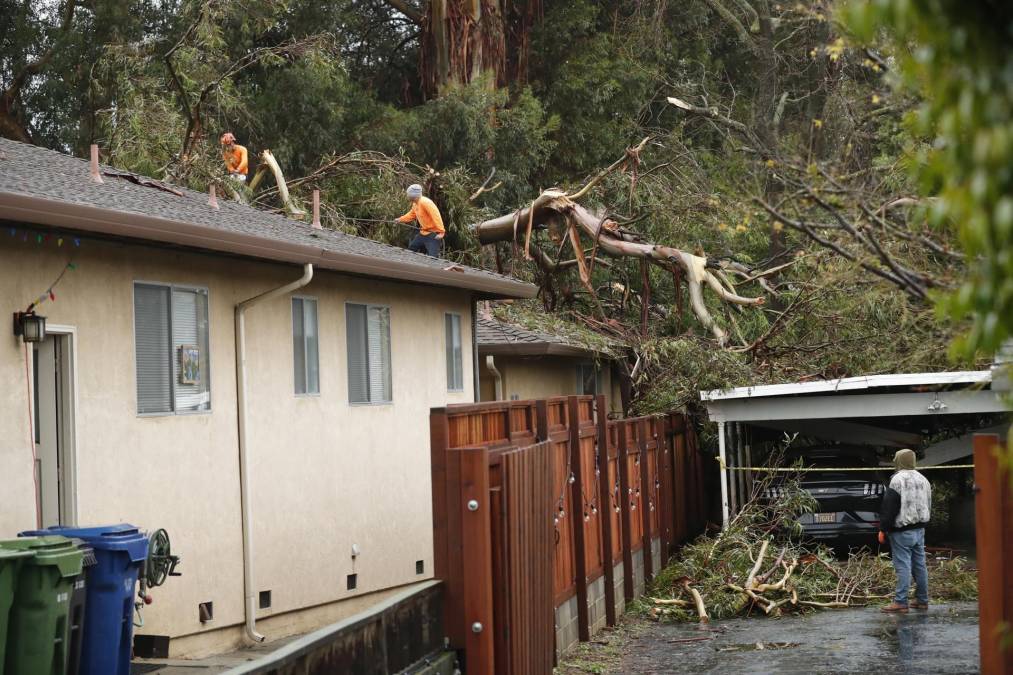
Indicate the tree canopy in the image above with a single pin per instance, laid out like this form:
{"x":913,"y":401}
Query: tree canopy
{"x":815,"y":157}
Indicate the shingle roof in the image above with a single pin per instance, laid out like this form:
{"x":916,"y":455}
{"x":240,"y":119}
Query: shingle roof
{"x":499,"y":337}
{"x":36,"y":184}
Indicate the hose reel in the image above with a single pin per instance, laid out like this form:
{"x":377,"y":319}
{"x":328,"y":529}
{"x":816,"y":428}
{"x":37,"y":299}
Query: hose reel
{"x":159,"y":565}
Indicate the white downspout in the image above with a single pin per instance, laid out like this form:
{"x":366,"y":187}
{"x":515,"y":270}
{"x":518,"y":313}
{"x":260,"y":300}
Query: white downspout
{"x":490,"y":364}
{"x":724,"y":476}
{"x":244,"y":492}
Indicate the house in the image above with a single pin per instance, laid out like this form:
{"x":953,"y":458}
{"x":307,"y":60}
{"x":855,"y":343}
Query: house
{"x":257,"y":386}
{"x":518,"y":363}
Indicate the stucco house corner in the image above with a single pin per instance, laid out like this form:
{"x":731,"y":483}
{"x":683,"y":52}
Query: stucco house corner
{"x":258,"y":386}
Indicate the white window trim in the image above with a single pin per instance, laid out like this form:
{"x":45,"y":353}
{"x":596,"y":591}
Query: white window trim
{"x":172,"y":383}
{"x":390,"y":327}
{"x":460,"y":328}
{"x":291,"y":310}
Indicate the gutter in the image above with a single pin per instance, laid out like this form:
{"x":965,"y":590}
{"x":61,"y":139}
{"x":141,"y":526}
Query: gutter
{"x":490,"y":363}
{"x":538,"y":349}
{"x":244,"y":470}
{"x":83,"y":217}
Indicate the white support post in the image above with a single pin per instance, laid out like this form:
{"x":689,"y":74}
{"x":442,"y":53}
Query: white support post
{"x":724,"y":476}
{"x":733,"y":485}
{"x":740,"y":461}
{"x":749,"y":462}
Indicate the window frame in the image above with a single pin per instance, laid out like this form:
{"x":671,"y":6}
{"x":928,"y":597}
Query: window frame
{"x":447,"y":347}
{"x":291,"y":307}
{"x":599,"y":385}
{"x":172,"y":380}
{"x":390,"y":365}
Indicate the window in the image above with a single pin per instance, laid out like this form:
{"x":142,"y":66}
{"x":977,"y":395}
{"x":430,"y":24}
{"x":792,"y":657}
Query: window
{"x":171,"y":349}
{"x":455,"y":358}
{"x":306,"y":346}
{"x":588,"y":380}
{"x":368,"y":337}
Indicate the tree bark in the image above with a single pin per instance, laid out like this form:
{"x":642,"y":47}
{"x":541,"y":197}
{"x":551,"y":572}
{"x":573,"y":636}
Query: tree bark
{"x":466,"y":40}
{"x":614,"y":242}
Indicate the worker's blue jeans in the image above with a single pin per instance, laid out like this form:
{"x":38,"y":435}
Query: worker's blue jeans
{"x":425,"y":243}
{"x":908,"y":551}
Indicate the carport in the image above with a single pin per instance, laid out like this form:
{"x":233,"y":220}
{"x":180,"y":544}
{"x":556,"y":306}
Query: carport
{"x":934,"y":413}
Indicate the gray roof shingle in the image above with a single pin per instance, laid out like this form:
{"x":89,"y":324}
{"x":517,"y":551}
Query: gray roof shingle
{"x":495,"y":336}
{"x":34,"y":172}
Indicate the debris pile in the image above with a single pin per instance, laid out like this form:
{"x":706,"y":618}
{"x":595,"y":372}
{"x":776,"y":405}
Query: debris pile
{"x":758,"y":566}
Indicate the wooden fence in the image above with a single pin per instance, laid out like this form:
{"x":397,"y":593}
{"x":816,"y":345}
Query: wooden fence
{"x":994,"y":536}
{"x":535,"y":505}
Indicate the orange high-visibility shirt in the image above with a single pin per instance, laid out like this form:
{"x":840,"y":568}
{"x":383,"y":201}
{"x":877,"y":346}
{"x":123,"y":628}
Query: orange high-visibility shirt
{"x":235,"y":160}
{"x":428,"y":215}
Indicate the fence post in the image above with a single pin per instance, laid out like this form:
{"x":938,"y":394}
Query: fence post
{"x":605,"y":509}
{"x":476,"y":548}
{"x":541,"y":420}
{"x":680,"y":481}
{"x":645,"y":498}
{"x":577,"y":507}
{"x":665,"y":493}
{"x":994,"y":536}
{"x":622,"y":462}
{"x":446,"y":523}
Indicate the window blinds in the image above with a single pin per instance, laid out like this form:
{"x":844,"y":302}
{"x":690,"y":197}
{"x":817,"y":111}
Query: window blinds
{"x":378,"y":336}
{"x":151,"y":345}
{"x":190,"y":329}
{"x":455,"y":358}
{"x":368,"y":340}
{"x":168,"y":324}
{"x":305,"y":346}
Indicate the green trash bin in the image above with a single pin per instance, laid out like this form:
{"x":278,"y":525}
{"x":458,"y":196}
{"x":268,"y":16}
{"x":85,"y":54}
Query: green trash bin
{"x":38,"y":630}
{"x":10,"y":562}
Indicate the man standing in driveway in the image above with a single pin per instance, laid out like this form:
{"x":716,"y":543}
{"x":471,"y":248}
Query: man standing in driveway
{"x":430,"y":221}
{"x":907,"y":504}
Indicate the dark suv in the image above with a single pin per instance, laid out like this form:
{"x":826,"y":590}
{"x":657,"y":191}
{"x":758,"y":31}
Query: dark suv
{"x":847,"y":510}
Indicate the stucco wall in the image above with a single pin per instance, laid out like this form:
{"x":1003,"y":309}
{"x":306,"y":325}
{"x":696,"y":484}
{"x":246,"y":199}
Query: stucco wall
{"x":542,"y":377}
{"x":324,"y":474}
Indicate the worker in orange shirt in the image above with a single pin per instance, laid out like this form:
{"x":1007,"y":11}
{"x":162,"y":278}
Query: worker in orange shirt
{"x":430,"y":221}
{"x":235,"y":156}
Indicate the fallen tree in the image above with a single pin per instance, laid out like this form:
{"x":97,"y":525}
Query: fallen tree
{"x":567,"y":221}
{"x":758,"y":565}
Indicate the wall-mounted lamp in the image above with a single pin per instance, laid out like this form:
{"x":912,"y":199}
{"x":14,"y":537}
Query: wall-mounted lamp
{"x":29,"y":326}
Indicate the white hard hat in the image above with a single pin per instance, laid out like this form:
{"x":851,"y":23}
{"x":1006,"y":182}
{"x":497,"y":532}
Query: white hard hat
{"x":414,"y":191}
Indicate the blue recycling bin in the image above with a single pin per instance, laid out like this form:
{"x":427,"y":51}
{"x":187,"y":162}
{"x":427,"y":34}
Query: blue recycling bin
{"x":120,"y":552}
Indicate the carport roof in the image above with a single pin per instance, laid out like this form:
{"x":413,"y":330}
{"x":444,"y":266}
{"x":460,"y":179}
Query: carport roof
{"x":851,"y":384}
{"x":874,"y":396}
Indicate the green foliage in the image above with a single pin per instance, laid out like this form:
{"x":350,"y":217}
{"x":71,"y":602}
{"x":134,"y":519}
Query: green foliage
{"x":957,"y":56}
{"x":333,"y":90}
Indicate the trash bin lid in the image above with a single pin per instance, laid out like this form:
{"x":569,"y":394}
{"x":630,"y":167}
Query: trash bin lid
{"x":57,"y":551}
{"x":119,"y":537}
{"x":9,"y":554}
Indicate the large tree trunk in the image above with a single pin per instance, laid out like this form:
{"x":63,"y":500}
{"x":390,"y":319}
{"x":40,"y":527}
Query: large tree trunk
{"x":465,"y":40}
{"x":555,"y":209}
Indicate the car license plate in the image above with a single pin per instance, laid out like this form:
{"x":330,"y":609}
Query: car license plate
{"x":825,"y":517}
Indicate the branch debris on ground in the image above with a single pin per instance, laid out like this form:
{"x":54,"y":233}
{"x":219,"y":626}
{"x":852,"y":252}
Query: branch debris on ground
{"x":759,"y":567}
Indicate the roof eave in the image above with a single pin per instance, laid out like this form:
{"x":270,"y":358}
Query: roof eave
{"x":535,"y":349}
{"x":84,"y":217}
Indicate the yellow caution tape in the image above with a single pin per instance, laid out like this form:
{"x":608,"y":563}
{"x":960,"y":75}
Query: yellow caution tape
{"x":787,"y":469}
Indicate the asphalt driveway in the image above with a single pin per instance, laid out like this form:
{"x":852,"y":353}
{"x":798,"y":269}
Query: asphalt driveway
{"x":942,"y":640}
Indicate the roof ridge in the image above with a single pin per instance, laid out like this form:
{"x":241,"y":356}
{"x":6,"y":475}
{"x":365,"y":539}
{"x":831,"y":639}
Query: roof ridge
{"x":57,"y":189}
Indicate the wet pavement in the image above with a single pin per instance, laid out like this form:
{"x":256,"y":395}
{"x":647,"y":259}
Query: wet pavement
{"x":942,"y":640}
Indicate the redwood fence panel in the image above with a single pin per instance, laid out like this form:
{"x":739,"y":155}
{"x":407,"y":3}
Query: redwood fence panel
{"x":534,"y":501}
{"x":994,"y":536}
